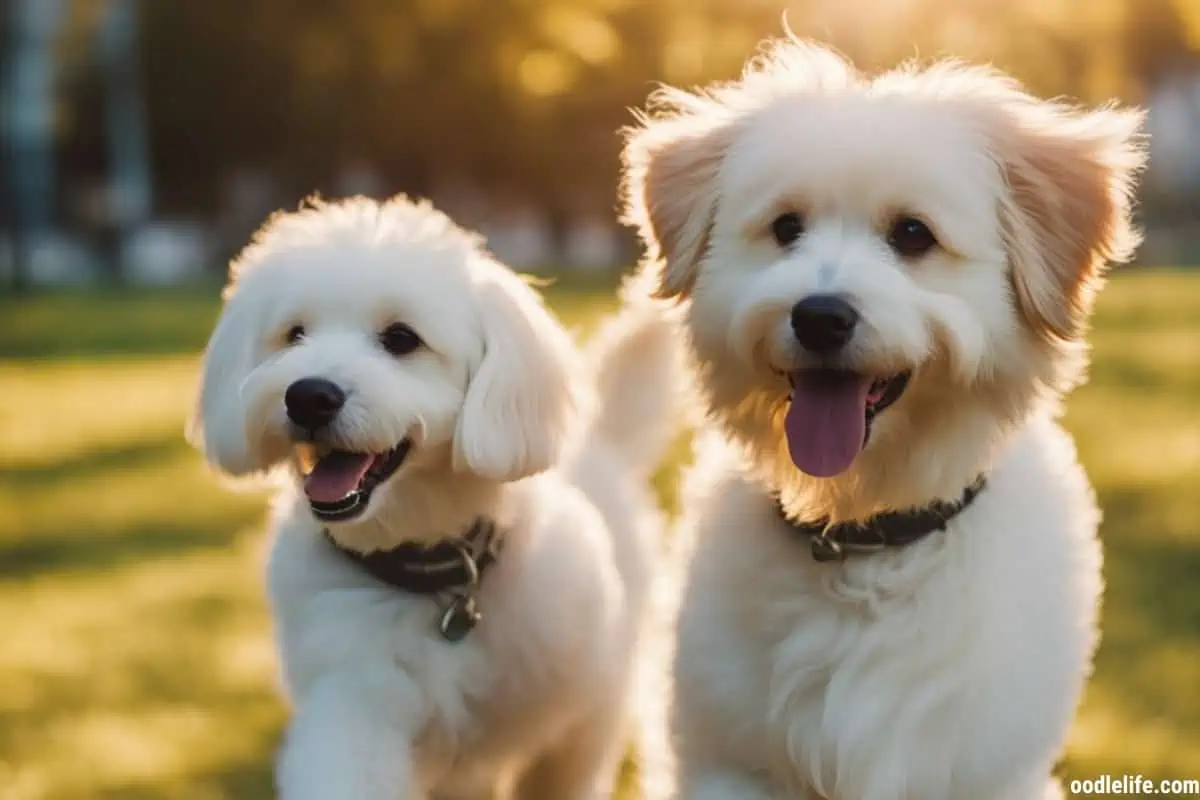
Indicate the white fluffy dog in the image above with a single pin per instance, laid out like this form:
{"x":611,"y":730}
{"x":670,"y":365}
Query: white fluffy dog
{"x":464,"y":547}
{"x":883,"y":284}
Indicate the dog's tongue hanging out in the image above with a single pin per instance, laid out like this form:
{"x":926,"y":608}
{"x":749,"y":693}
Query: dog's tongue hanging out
{"x":826,"y":424}
{"x":336,"y":475}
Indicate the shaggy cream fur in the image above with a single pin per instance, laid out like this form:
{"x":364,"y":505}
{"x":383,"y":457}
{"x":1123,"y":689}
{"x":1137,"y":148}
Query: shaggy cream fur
{"x":967,"y":223}
{"x":507,"y":420}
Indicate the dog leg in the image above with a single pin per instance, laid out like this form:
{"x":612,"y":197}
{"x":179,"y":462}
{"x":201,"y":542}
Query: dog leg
{"x":342,"y":745}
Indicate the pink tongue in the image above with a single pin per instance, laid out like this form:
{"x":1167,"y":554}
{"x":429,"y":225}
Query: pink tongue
{"x":826,"y":423}
{"x":336,"y":475}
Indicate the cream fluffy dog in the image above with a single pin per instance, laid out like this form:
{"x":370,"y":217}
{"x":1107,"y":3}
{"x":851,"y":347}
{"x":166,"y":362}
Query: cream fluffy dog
{"x":883,"y":284}
{"x":409,"y":387}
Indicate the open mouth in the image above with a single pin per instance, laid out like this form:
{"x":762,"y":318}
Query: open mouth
{"x":883,"y":393}
{"x":829,"y":417}
{"x":338,"y":483}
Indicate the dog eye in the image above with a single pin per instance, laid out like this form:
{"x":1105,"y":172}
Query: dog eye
{"x":294,"y":334}
{"x":911,"y":238}
{"x":399,"y":339}
{"x":787,"y":228}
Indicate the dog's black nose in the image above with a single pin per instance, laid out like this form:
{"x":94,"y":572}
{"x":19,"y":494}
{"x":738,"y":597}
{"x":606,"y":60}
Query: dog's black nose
{"x":313,"y":402}
{"x":823,"y":323}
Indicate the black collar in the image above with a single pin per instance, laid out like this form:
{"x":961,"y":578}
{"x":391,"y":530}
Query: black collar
{"x":453,"y":567}
{"x":889,"y":529}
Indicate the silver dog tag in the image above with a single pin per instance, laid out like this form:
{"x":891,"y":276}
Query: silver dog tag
{"x":825,"y":549}
{"x":459,"y":619}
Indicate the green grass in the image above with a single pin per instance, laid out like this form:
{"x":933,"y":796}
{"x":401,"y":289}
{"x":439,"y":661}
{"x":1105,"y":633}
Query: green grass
{"x":136,"y":660}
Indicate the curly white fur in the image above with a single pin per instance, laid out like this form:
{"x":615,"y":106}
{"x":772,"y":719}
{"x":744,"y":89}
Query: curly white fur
{"x":951,"y":668}
{"x":507,"y":420}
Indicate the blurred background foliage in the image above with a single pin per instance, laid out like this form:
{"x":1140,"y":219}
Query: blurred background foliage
{"x":524,"y":96}
{"x":519,"y":101}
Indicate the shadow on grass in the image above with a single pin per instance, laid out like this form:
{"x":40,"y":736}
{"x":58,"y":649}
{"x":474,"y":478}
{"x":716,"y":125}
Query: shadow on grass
{"x":138,"y":322}
{"x":28,"y":559}
{"x":1156,"y":575}
{"x":1128,"y":374}
{"x":101,"y":460}
{"x":1151,"y":609}
{"x":94,"y":546}
{"x":107,"y":322}
{"x":244,"y":779}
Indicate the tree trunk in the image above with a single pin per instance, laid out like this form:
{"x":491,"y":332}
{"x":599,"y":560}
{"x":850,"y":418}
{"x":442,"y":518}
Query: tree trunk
{"x":129,"y":191}
{"x":28,"y":93}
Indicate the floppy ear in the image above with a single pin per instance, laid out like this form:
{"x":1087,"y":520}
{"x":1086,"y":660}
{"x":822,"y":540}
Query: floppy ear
{"x":521,"y":399}
{"x":669,"y":186}
{"x":217,"y":426}
{"x":1067,"y":212}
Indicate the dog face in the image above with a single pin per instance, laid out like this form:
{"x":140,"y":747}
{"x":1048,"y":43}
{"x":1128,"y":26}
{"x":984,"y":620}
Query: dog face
{"x":877,"y":271}
{"x":361,"y":342}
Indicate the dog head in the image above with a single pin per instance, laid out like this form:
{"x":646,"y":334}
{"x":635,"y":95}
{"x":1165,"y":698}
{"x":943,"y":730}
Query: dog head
{"x":879,"y":275}
{"x":361,"y":342}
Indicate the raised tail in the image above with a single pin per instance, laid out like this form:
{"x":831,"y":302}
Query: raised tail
{"x":638,"y":376}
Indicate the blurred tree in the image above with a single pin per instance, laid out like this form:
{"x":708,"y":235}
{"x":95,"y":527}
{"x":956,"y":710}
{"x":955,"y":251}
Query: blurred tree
{"x":27,"y":113}
{"x":524,"y":97}
{"x":128,"y":188}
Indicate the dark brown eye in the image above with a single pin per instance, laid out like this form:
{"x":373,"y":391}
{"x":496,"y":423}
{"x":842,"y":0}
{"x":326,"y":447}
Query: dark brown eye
{"x":399,"y":339}
{"x":787,"y":228}
{"x":294,"y":334}
{"x":911,"y":238}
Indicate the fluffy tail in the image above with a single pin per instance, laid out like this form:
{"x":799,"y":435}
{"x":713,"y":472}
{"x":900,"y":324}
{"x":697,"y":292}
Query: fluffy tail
{"x":637,"y":371}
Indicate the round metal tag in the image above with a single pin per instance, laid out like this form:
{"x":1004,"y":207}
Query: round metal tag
{"x":459,"y":619}
{"x":825,"y":549}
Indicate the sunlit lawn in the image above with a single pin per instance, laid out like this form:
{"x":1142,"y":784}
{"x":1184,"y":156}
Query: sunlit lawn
{"x":135,"y":660}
